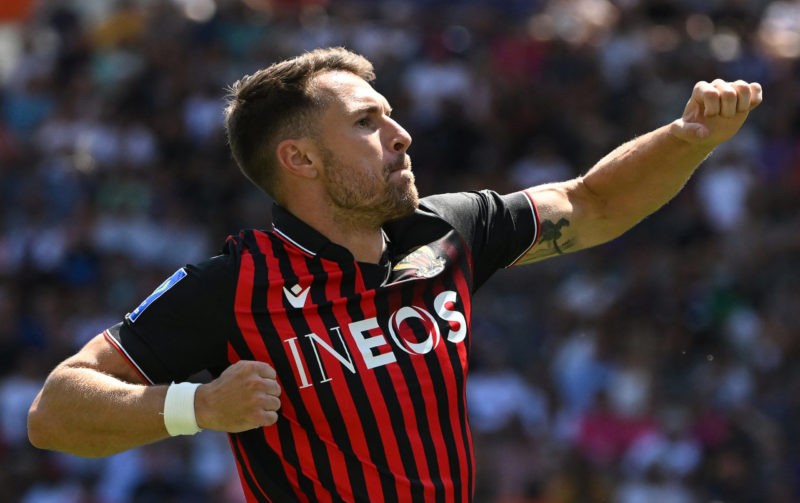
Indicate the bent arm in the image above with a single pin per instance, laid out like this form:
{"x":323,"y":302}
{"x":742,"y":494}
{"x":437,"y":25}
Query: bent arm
{"x":640,"y":176}
{"x":94,"y":404}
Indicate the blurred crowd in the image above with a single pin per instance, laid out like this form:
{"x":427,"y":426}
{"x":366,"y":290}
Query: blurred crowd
{"x":657,"y":368}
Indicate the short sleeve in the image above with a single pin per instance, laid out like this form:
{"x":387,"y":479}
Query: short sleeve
{"x":183,"y":326}
{"x":499,"y":229}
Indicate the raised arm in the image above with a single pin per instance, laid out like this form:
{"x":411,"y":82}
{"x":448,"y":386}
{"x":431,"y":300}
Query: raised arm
{"x":95,"y":404}
{"x":640,"y":176}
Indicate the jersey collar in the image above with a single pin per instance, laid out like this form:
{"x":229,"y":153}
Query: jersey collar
{"x":307,"y":239}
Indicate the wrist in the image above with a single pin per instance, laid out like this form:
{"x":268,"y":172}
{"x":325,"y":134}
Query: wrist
{"x":179,"y":409}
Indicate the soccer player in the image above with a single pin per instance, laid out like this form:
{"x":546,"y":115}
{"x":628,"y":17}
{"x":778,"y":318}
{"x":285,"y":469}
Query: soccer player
{"x":338,"y":337}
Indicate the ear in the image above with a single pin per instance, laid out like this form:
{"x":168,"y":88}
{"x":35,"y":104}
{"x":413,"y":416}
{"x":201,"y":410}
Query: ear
{"x":295,"y":156}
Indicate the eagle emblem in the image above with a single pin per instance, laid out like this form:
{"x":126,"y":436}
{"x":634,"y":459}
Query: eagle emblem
{"x":423,"y":262}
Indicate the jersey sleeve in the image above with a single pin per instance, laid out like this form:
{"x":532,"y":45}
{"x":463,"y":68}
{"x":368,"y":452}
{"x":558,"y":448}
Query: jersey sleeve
{"x":499,"y":229}
{"x":183,"y":326}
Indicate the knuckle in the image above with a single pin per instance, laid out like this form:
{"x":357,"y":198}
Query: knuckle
{"x":710,"y":93}
{"x":241,"y":364}
{"x":272,"y":403}
{"x":251,"y":383}
{"x":269,"y":418}
{"x":264,"y":369}
{"x":273,"y":388}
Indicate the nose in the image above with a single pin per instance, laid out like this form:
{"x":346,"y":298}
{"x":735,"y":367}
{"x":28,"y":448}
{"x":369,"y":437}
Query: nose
{"x":400,"y":139}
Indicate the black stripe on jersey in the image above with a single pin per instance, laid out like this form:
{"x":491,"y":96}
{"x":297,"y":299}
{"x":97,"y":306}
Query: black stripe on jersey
{"x":281,"y":362}
{"x":244,"y":469}
{"x":240,"y":347}
{"x":462,"y":283}
{"x":420,"y":411}
{"x":259,"y":456}
{"x":396,"y":412}
{"x":438,"y":375}
{"x":336,"y":422}
{"x":408,"y":298}
{"x":359,"y":394}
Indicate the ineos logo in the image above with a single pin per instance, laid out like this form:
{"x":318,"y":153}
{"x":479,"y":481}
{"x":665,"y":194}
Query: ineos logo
{"x":373,"y":347}
{"x":420,"y":348}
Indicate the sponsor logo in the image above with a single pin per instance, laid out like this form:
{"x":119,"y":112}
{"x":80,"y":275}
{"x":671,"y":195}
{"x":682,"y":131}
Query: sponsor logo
{"x":158,"y":292}
{"x":411,"y":329}
{"x":296,"y":296}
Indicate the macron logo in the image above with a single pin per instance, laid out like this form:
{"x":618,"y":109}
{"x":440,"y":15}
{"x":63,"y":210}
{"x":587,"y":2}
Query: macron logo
{"x":296,"y":296}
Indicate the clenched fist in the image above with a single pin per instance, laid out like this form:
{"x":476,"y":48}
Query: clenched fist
{"x":716,"y":110}
{"x":243,"y":397}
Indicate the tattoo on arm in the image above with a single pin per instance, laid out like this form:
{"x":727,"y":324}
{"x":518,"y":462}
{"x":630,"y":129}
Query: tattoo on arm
{"x":551,"y":232}
{"x":553,"y":241}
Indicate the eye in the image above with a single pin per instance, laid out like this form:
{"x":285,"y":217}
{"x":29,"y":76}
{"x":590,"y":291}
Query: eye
{"x":364,"y":122}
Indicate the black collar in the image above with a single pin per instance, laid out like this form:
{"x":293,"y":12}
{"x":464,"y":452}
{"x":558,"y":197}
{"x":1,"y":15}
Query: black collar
{"x":309,"y":240}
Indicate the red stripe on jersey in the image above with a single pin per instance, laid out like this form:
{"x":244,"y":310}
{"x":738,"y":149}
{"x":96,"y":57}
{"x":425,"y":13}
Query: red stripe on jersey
{"x":344,"y":401}
{"x":432,"y":415}
{"x":303,"y":448}
{"x":466,"y":456}
{"x":399,"y":383}
{"x":453,"y":398}
{"x":370,"y":382}
{"x":459,"y":422}
{"x":249,"y":495}
{"x":413,"y":432}
{"x":282,"y":325}
{"x":233,"y":356}
{"x":252,"y":336}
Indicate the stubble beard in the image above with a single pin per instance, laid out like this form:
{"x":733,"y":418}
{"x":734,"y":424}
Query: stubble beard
{"x":370,"y":200}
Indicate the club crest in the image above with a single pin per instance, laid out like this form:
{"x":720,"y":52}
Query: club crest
{"x":423,"y":261}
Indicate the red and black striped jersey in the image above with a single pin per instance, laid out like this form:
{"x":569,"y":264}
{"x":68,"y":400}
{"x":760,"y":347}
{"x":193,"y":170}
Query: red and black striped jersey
{"x":371,"y":358}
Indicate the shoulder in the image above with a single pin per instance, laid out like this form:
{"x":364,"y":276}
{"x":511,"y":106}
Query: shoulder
{"x":479,"y":207}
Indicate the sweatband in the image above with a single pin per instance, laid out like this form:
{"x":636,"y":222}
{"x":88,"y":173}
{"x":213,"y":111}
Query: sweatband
{"x":179,"y":415}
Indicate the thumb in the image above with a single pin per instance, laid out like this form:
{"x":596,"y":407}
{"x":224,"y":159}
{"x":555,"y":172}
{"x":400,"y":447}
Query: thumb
{"x":691,"y":132}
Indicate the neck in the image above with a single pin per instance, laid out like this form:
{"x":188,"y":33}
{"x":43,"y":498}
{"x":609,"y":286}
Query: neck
{"x":362,"y":237}
{"x":365,"y":246}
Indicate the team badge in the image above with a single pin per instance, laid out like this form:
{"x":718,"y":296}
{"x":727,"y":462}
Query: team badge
{"x":423,"y":261}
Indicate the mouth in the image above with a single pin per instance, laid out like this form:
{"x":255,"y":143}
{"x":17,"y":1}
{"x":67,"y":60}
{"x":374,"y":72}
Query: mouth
{"x":401,"y":164}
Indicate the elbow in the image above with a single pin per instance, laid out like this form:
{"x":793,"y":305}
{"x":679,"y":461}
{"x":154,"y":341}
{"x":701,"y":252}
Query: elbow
{"x":44,"y":433}
{"x":47,"y":432}
{"x":43,"y":428}
{"x":37,"y":427}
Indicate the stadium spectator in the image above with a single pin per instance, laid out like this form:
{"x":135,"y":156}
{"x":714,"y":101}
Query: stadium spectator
{"x":672,"y":274}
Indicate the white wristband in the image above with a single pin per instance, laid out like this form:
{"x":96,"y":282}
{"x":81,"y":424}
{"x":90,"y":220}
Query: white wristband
{"x":179,"y":415}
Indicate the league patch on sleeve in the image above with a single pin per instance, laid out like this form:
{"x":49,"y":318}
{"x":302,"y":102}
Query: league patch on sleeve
{"x":158,"y":292}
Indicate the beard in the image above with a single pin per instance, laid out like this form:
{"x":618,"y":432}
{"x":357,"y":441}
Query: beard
{"x":370,"y":199}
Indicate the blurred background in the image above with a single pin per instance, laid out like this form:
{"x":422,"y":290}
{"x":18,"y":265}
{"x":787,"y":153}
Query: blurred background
{"x":658,"y":368}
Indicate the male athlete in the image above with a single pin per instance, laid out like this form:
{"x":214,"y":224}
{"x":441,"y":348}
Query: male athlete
{"x":338,"y":338}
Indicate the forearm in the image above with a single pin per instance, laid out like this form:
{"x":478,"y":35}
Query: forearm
{"x":85,"y":412}
{"x":637,"y":178}
{"x":625,"y":186}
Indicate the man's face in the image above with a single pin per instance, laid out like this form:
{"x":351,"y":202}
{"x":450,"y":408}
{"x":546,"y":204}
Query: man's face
{"x":366,"y":169}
